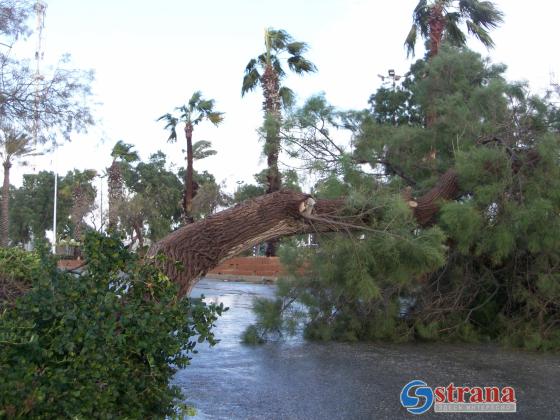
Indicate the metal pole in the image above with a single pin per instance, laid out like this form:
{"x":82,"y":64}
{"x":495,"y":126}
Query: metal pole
{"x":54,"y":212}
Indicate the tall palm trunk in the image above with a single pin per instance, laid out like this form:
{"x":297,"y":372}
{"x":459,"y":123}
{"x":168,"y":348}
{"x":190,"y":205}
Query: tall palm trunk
{"x":5,"y":217}
{"x":189,"y":181}
{"x":273,"y":119}
{"x":436,"y":24}
{"x":78,"y":211}
{"x":115,"y":186}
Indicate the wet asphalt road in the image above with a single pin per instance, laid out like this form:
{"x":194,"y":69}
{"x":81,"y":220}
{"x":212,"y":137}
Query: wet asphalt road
{"x":306,"y":380}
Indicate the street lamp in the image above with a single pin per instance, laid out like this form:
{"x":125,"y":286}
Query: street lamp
{"x":391,"y":75}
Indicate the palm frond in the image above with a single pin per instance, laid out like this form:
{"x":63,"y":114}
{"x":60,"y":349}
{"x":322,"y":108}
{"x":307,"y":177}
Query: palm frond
{"x":278,"y":67}
{"x":215,"y":117}
{"x":287,"y":96}
{"x":278,"y":39}
{"x":195,"y":99}
{"x":250,"y":66}
{"x":17,"y":146}
{"x":202,"y":149}
{"x":170,"y":120}
{"x":296,"y":48}
{"x":453,"y":33}
{"x":410,"y":41}
{"x":250,"y":81}
{"x":300,"y":65}
{"x":172,"y":135}
{"x":420,"y":17}
{"x":482,"y":13}
{"x":480,"y":33}
{"x":262,"y":59}
{"x":205,"y":105}
{"x":124,"y":151}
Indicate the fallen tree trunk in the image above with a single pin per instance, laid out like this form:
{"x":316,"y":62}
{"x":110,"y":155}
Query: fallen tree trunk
{"x":200,"y":246}
{"x":194,"y":249}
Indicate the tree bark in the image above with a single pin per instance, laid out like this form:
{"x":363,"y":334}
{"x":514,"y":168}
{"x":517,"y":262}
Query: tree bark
{"x":189,"y":182}
{"x":427,"y":206}
{"x":436,"y":23}
{"x":5,"y":216}
{"x":115,"y":187}
{"x":273,"y":116}
{"x":192,"y":250}
{"x":271,"y":92}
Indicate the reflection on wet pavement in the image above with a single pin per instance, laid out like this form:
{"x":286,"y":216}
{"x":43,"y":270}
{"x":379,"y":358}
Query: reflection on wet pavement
{"x":307,"y":380}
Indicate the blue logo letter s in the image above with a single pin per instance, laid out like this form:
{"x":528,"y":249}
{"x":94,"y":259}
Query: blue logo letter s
{"x":412,"y":402}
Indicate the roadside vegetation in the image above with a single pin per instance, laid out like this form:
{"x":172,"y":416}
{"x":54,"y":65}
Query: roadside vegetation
{"x":446,"y":226}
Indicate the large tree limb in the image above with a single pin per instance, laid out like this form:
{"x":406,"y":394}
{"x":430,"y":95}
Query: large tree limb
{"x":196,"y":248}
{"x":205,"y":244}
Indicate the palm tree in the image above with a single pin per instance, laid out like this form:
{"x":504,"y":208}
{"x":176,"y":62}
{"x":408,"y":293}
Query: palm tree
{"x":266,"y":70}
{"x":435,"y":18}
{"x":13,"y":146}
{"x":122,"y":155}
{"x":196,"y":110}
{"x":83,"y":199}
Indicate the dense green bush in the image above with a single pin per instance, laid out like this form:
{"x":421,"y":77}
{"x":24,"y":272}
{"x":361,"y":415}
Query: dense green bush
{"x":101,"y":345}
{"x":17,"y":268}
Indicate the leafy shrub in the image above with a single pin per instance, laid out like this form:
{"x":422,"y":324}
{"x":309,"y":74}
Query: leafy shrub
{"x":17,"y":268}
{"x":101,"y":345}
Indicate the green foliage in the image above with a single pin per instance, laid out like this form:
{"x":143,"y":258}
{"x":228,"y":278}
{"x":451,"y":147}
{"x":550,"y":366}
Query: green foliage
{"x":155,"y":197}
{"x":17,"y":269}
{"x":196,"y":110}
{"x":275,"y":317}
{"x":18,"y":264}
{"x":485,"y":268}
{"x":104,"y":344}
{"x":463,"y":222}
{"x":478,"y":17}
{"x":123,"y":151}
{"x":247,"y":191}
{"x":350,"y":285}
{"x":252,"y":336}
{"x":31,"y":207}
{"x":277,"y":42}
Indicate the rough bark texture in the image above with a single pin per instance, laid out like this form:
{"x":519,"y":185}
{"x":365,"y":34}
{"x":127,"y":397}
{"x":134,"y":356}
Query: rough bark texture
{"x":5,"y":213}
{"x":82,"y":202}
{"x":115,"y":187}
{"x":436,"y":25}
{"x":188,"y":193}
{"x":271,"y":89}
{"x":447,"y":188}
{"x":203,"y":245}
{"x":271,"y":105}
{"x":196,"y":248}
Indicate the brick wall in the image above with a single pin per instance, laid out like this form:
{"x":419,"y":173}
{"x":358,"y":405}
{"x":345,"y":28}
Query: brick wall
{"x":248,"y":266}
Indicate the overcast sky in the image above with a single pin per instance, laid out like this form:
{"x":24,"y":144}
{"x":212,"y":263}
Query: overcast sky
{"x":149,"y":57}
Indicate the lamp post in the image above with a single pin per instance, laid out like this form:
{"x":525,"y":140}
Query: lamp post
{"x":391,"y":75}
{"x":394,"y":77}
{"x":54,"y":211}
